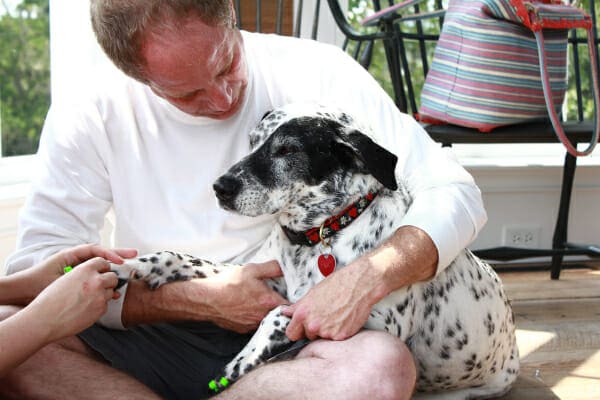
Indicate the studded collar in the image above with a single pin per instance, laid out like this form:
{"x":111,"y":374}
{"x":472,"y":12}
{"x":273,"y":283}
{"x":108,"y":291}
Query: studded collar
{"x":332,"y":225}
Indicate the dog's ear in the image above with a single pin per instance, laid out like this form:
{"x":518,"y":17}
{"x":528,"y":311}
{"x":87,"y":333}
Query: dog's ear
{"x":378,"y":161}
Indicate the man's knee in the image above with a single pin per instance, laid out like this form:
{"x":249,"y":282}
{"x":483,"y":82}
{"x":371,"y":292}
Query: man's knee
{"x":371,"y":364}
{"x":388,"y":362}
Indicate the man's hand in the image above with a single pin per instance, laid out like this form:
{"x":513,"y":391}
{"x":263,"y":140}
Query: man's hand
{"x":240,"y":298}
{"x":236,"y":299}
{"x":337,"y":308}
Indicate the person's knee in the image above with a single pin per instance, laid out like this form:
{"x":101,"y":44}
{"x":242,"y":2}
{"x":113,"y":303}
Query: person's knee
{"x":388,"y":368}
{"x":17,"y":384}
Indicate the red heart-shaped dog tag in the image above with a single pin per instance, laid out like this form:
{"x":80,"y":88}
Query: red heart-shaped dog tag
{"x":326,"y":263}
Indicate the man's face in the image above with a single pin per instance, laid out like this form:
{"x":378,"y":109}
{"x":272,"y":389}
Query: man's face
{"x":200,"y":69}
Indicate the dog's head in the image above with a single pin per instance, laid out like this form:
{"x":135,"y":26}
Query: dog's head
{"x":306,"y":158}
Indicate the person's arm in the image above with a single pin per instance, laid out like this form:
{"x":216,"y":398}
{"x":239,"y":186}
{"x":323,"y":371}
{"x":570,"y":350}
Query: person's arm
{"x":68,"y":305}
{"x":22,"y":287}
{"x":236,"y":299}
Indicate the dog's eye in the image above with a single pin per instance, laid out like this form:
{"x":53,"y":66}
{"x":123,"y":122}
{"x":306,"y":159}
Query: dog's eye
{"x":282,"y":151}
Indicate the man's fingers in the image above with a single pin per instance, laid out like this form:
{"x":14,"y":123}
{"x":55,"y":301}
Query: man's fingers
{"x":295,"y":330}
{"x":288,"y":311}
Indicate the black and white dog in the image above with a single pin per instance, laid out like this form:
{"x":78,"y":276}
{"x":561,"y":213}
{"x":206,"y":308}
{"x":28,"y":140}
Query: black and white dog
{"x":331,"y":185}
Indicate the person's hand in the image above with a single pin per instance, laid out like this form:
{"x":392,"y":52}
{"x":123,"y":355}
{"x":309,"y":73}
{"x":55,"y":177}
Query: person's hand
{"x":240,"y":298}
{"x":44,"y":273}
{"x":76,"y":300}
{"x":336,"y":308}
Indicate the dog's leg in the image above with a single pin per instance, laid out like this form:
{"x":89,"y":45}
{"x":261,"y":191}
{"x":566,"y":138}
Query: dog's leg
{"x":166,"y":266}
{"x":268,"y":341}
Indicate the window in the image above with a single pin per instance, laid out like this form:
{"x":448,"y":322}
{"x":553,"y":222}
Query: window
{"x":24,"y":74}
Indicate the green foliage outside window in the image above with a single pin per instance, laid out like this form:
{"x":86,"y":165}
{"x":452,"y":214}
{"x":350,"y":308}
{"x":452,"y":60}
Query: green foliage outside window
{"x":24,"y":74}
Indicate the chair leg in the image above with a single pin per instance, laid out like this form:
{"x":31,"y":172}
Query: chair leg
{"x":559,"y":241}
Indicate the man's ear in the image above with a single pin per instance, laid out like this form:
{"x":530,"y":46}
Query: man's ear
{"x":378,"y":161}
{"x":233,"y":14}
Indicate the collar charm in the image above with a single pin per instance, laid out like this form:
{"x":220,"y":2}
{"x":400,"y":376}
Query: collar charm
{"x":326,"y":261}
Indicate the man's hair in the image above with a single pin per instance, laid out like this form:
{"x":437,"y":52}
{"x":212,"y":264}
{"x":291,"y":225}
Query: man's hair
{"x":121,"y":26}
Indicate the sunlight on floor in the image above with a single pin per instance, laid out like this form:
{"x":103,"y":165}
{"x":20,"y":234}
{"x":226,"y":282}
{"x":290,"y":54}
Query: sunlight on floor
{"x":529,"y":341}
{"x":583,"y":381}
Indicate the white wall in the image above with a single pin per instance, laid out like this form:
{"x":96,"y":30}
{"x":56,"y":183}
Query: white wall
{"x":529,"y":197}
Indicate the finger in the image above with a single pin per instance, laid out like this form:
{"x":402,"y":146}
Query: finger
{"x":311,"y":331}
{"x":82,"y":253}
{"x":85,"y":252}
{"x":109,"y":280}
{"x":109,"y":294}
{"x":116,"y":295}
{"x":288,"y":311}
{"x":99,"y":264}
{"x":124,"y":253}
{"x":269,"y":269}
{"x":295,"y":330}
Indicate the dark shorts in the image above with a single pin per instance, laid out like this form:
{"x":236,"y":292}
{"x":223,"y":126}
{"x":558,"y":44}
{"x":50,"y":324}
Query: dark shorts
{"x":175,"y":360}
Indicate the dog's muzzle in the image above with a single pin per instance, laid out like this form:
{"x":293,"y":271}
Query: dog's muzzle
{"x":226,"y":189}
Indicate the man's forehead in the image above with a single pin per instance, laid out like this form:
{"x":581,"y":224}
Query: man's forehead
{"x":195,"y":48}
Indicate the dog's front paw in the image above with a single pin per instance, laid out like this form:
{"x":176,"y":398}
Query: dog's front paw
{"x":267,"y":344}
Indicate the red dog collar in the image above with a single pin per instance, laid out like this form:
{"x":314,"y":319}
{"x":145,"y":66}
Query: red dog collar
{"x":332,"y":224}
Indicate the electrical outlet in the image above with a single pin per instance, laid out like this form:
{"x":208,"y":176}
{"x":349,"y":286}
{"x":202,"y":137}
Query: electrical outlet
{"x":522,"y":236}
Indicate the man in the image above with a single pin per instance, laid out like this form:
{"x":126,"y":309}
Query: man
{"x":150,"y":148}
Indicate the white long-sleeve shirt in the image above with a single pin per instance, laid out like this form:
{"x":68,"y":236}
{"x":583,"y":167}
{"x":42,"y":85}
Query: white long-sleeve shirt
{"x":123,"y":148}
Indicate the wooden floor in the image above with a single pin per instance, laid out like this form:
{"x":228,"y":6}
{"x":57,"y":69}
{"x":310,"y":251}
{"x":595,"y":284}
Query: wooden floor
{"x":558,"y":332}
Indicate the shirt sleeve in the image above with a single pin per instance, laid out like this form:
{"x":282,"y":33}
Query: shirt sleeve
{"x":70,"y":193}
{"x":446,"y":202}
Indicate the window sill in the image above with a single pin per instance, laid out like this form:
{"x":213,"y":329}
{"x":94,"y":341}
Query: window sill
{"x":489,"y":156}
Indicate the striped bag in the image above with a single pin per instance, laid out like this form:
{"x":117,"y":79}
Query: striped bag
{"x":502,"y":62}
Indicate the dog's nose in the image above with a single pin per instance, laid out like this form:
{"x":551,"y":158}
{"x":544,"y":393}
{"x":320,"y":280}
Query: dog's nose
{"x":226,"y":188}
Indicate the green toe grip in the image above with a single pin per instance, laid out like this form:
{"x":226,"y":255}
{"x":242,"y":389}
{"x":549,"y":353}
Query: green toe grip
{"x":216,"y":387}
